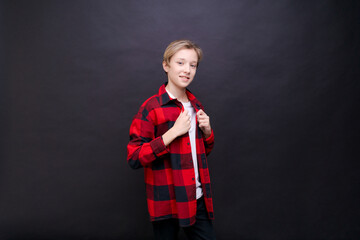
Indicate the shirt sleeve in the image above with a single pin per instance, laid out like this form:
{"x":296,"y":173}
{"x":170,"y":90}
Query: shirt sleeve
{"x":209,"y":143}
{"x":143,"y":147}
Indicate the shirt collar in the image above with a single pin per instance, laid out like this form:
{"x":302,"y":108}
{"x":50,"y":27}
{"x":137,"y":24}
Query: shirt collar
{"x":165,"y":98}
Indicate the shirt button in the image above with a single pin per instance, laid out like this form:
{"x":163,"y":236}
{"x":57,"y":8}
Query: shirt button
{"x":193,"y":179}
{"x":188,"y":143}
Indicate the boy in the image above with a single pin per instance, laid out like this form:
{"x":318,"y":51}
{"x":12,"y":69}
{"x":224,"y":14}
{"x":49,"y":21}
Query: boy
{"x":170,"y":137}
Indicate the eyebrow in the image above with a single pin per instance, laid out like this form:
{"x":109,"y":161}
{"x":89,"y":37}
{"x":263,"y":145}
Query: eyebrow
{"x":184,"y":59}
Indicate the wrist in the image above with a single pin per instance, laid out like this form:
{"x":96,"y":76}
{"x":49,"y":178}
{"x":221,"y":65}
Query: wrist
{"x":207,"y":133}
{"x":172,"y":132}
{"x":169,"y":136}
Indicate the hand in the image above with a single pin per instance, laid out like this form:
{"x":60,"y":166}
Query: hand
{"x":182,"y":124}
{"x":204,"y":123}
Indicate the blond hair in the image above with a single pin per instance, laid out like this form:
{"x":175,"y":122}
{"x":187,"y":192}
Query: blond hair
{"x":177,"y":45}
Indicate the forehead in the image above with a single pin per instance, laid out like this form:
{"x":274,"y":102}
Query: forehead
{"x":187,"y":54}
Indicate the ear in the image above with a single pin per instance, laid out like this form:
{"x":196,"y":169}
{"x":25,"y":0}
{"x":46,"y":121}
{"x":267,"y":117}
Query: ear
{"x":165,"y":66}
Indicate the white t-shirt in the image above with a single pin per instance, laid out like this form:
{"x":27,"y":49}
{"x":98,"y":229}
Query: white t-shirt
{"x":192,"y":135}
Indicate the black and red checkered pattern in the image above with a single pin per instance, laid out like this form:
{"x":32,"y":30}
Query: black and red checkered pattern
{"x":169,"y":171}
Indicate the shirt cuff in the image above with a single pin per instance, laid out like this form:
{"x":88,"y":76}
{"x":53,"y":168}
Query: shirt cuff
{"x":210,"y":138}
{"x":158,"y":147}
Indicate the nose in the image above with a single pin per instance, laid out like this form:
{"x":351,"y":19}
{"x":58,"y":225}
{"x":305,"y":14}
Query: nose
{"x":187,"y":68}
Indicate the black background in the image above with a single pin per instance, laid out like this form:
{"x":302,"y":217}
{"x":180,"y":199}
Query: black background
{"x":279,"y":79}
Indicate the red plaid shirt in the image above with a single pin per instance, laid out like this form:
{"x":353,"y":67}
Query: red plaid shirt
{"x":169,"y":171}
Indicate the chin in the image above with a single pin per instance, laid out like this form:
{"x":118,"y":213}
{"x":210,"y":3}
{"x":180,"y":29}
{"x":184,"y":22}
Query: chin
{"x":185,"y":83}
{"x":182,"y":84}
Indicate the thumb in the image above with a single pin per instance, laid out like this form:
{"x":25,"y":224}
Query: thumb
{"x":200,"y":112}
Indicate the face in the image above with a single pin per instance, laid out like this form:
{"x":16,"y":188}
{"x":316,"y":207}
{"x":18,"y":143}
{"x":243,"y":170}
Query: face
{"x":182,"y":68}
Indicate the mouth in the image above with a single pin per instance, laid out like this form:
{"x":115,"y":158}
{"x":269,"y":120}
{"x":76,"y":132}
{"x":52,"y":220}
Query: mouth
{"x":185,"y":78}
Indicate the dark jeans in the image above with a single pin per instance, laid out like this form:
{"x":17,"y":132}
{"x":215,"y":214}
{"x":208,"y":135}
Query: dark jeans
{"x":202,"y":229}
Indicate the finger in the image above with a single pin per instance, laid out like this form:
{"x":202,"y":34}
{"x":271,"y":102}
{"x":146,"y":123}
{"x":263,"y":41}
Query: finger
{"x":200,"y":112}
{"x":202,"y":116}
{"x":183,"y":113}
{"x":203,"y":124}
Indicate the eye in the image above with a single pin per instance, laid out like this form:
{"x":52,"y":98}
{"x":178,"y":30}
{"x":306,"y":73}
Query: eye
{"x":180,"y":63}
{"x":193,"y":66}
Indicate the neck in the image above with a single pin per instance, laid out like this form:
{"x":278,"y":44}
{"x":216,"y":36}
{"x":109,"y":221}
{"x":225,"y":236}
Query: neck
{"x":179,"y":93}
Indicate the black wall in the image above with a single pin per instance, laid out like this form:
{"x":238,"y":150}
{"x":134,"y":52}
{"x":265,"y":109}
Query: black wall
{"x":280,"y":80}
